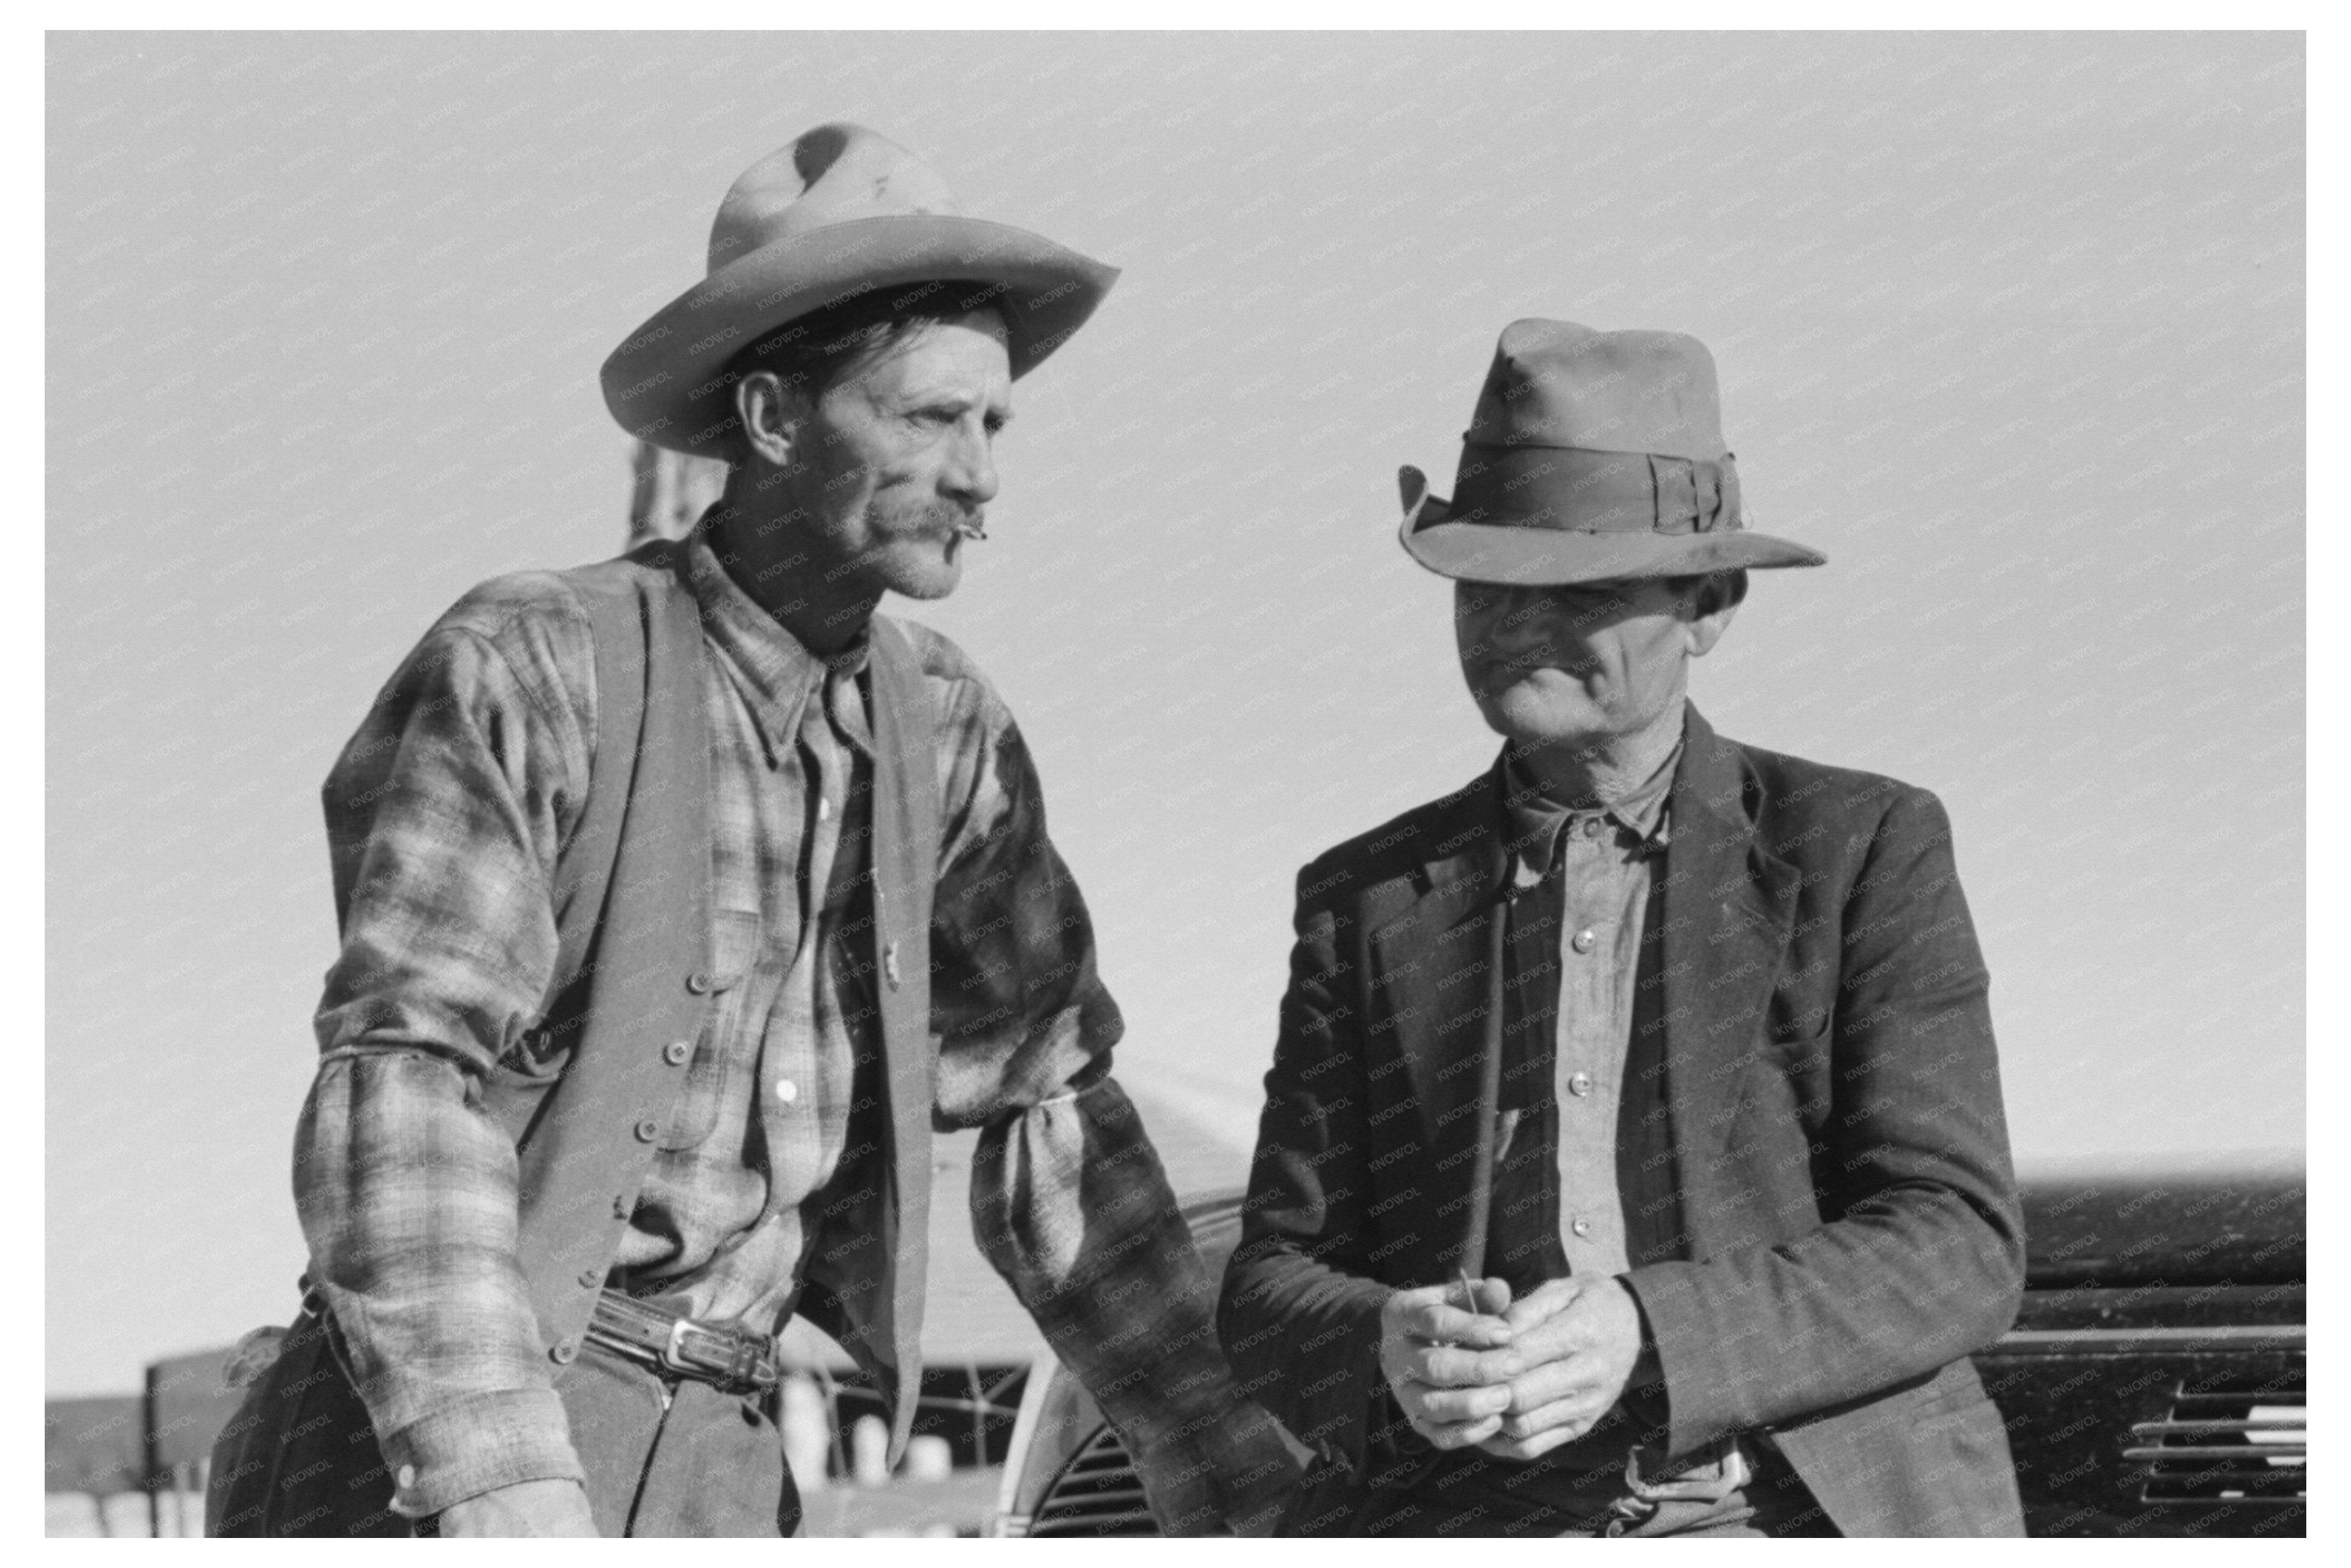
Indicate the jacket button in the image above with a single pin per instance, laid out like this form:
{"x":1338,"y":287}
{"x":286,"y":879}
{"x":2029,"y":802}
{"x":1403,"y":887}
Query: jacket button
{"x":648,"y":1130}
{"x":564,"y":1349}
{"x":1582,"y":940}
{"x":675,"y":1052}
{"x":1580,"y":1084}
{"x":590,"y":1278}
{"x":1582,"y":1227}
{"x":622,"y":1207}
{"x":697,"y":982}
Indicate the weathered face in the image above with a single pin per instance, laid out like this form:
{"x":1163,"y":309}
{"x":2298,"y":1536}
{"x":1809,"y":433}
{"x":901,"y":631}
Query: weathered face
{"x":897,"y":457}
{"x":1581,"y":665}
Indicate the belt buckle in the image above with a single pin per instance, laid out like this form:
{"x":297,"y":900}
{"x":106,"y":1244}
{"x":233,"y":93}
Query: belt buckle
{"x":735,"y":1370}
{"x":1728,"y":1463}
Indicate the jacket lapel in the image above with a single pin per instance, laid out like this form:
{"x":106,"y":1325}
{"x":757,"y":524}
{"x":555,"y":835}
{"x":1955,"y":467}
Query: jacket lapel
{"x":1729,"y":906}
{"x":1429,"y":968}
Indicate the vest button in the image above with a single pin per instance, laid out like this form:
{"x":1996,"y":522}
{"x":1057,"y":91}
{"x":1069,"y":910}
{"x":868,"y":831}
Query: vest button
{"x":675,"y":1052}
{"x":648,"y":1130}
{"x":698,"y":982}
{"x":564,"y":1349}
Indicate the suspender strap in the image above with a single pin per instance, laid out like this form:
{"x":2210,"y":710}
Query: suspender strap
{"x":905,"y":866}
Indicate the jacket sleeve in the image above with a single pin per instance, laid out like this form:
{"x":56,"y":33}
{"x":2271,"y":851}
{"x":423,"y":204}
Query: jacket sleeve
{"x":444,"y":814}
{"x":1920,"y":1256}
{"x":1300,"y":1314}
{"x":1069,"y":1201}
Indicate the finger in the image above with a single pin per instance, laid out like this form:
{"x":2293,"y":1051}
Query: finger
{"x":1493,"y":1296}
{"x":1505,"y":1446}
{"x":1458,"y":1435}
{"x":1572,"y":1416}
{"x":1438,"y":1322}
{"x":1452,"y":1406}
{"x":1546,"y":1385}
{"x":1456,"y":1366}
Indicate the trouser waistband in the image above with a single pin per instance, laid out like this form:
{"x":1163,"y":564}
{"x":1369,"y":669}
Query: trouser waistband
{"x":729,"y":1357}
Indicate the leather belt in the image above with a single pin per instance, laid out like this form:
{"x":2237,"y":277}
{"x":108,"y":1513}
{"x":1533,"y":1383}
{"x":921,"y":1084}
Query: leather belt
{"x":728,"y":1356}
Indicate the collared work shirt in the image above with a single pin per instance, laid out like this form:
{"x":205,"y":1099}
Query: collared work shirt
{"x":446,"y":814}
{"x":1608,"y":860}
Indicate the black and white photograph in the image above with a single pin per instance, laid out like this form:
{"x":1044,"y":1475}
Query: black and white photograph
{"x":1670,"y":668}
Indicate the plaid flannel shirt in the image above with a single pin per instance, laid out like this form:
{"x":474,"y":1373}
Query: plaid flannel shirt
{"x":445,"y":815}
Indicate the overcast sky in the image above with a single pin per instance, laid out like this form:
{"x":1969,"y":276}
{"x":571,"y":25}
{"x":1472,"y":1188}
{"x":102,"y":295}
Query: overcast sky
{"x":2011,"y":328}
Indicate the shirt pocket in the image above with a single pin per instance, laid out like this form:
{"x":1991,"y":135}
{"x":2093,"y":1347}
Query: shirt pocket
{"x":702,"y":1098}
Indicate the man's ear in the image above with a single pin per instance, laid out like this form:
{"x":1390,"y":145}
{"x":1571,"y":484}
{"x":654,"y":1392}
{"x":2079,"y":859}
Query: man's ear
{"x":772,"y":418}
{"x":1717,"y":599}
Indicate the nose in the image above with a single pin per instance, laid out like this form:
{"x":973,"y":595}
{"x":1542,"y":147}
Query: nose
{"x":970,"y":474}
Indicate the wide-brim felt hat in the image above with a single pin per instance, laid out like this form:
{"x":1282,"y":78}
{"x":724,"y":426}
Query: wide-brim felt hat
{"x":1592,"y":455}
{"x":839,"y":214}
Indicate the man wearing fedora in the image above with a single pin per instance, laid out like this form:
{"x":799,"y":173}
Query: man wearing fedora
{"x":1632,"y":1160}
{"x":681,"y":897}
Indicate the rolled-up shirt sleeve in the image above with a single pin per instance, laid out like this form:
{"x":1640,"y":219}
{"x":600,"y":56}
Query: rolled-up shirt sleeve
{"x":1068,"y":1200}
{"x":446,"y":814}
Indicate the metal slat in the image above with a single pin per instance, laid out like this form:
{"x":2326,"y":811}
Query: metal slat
{"x":2159,"y":1429}
{"x":2253,"y":1458}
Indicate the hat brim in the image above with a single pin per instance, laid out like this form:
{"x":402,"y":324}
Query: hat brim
{"x":662,"y":383}
{"x":1554,"y":558}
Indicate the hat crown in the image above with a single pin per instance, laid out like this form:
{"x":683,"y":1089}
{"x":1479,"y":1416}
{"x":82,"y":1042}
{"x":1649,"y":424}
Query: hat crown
{"x":1557,"y":384}
{"x":835,"y":173}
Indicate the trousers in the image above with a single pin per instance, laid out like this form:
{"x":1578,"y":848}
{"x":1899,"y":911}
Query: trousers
{"x":663,"y":1457}
{"x":1590,"y":1496}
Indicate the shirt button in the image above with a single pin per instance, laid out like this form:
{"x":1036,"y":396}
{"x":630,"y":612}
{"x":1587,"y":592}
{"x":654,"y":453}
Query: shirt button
{"x":1582,"y":1227}
{"x":1582,"y":940}
{"x":675,"y":1052}
{"x":648,"y":1130}
{"x":787,"y":1091}
{"x":407,"y":1477}
{"x":1580,"y":1084}
{"x":1591,"y":826}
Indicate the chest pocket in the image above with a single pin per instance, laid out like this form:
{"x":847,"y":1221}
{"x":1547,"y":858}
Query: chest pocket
{"x":712,"y":1074}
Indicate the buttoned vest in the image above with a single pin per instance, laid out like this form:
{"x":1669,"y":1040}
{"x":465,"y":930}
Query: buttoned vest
{"x":633,"y":973}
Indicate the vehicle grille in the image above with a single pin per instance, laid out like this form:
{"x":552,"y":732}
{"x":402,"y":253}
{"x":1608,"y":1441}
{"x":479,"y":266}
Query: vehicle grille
{"x":1097,"y":1493}
{"x":2226,"y":1442}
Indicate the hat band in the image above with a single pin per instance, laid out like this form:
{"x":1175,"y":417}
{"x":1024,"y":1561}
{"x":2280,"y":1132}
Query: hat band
{"x":1581,"y":491}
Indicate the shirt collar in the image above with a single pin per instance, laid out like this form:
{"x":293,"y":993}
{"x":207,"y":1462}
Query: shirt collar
{"x":1535,"y":821}
{"x":775,"y":670}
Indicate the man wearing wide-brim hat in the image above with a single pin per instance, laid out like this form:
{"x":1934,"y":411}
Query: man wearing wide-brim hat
{"x":681,"y":897}
{"x":1633,"y":1159}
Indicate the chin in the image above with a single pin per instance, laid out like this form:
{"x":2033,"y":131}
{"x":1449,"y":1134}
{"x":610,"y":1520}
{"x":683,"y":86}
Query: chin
{"x":933,"y":579}
{"x":1531,"y":719}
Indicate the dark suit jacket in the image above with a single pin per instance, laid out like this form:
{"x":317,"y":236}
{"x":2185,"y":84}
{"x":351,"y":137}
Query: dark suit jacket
{"x":1850,"y":1216}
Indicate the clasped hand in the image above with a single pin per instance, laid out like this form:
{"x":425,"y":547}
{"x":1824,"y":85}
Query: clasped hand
{"x":1514,"y":1379}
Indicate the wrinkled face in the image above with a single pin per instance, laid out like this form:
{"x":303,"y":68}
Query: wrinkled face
{"x":899,"y":458}
{"x":1579,"y":665}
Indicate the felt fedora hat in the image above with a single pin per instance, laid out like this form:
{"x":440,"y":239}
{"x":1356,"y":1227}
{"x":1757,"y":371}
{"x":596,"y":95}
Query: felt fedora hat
{"x":839,"y":212}
{"x":1592,"y":455}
